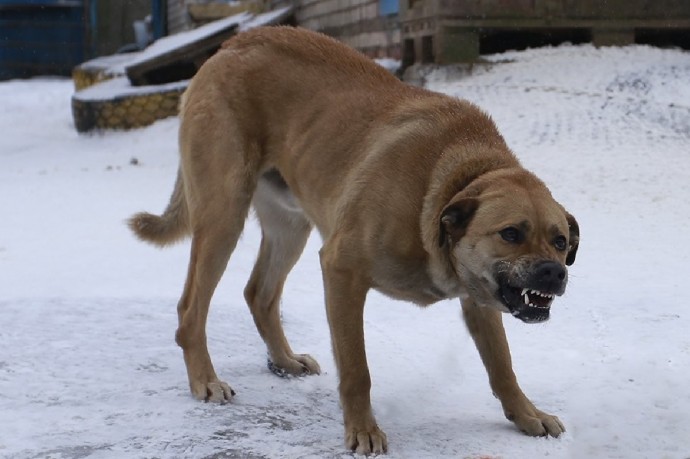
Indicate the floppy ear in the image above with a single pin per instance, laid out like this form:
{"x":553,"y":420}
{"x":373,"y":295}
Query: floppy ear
{"x":454,"y":219}
{"x":574,"y":238}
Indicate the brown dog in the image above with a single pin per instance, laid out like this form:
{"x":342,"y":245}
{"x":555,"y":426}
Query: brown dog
{"x":414,"y":193}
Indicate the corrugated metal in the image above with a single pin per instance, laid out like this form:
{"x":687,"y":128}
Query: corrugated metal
{"x":21,"y":3}
{"x":41,"y":37}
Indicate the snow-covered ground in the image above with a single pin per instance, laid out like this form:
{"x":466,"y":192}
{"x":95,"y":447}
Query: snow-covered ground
{"x":89,"y":367}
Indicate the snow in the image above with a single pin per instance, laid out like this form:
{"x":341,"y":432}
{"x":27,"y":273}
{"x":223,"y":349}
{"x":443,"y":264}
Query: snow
{"x":392,"y":65}
{"x":88,"y":363}
{"x":113,"y":65}
{"x":121,"y":87}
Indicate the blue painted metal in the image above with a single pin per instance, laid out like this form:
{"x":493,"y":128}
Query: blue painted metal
{"x":159,"y":18}
{"x":20,"y":3}
{"x":41,"y":37}
{"x":389,"y":7}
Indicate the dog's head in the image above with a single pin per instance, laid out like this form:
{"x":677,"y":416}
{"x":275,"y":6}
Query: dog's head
{"x":509,"y":242}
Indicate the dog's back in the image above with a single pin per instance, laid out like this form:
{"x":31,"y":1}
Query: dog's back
{"x":307,"y":52}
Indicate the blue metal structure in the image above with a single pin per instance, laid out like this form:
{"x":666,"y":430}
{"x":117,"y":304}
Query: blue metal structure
{"x":389,"y":7}
{"x":39,"y":37}
{"x":159,"y":15}
{"x":51,"y":37}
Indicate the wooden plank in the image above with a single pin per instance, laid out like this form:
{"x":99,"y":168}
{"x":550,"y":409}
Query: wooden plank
{"x":192,"y":53}
{"x":178,"y":57}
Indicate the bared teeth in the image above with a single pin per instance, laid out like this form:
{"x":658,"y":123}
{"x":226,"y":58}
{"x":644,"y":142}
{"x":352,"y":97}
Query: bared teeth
{"x":538,"y":293}
{"x":526,"y":297}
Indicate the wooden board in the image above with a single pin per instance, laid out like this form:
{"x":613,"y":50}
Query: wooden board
{"x":179,"y":56}
{"x":180,"y":62}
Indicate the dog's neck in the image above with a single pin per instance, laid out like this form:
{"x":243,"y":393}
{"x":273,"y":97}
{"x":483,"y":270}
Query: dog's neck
{"x":456,"y":170}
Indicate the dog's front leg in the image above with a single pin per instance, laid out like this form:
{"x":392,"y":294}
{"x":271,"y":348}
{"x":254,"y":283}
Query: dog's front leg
{"x":486,"y":327}
{"x":345,"y":296}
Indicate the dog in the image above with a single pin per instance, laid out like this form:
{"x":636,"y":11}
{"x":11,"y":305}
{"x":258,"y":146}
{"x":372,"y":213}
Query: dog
{"x":414,"y":193}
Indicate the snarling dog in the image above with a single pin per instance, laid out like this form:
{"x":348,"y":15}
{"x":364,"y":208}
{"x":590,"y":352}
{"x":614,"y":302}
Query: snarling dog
{"x":414,"y":193}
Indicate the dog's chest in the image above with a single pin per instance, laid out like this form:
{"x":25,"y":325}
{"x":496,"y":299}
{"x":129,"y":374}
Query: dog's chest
{"x":414,"y":285}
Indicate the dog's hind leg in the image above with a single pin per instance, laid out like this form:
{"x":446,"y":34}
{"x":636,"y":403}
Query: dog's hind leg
{"x":486,"y":327}
{"x":285,"y":231}
{"x":219,"y":171}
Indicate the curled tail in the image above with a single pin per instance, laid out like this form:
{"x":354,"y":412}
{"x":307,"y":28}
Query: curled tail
{"x":168,"y":228}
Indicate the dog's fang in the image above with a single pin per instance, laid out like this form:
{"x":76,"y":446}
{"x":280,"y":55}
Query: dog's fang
{"x":526,"y":299}
{"x":524,"y":290}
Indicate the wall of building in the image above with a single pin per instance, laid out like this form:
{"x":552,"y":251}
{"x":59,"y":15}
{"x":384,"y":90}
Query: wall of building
{"x":178,"y":18}
{"x":445,"y":31}
{"x":362,"y":24}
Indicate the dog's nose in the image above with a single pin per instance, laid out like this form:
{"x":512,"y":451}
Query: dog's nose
{"x":550,"y":276}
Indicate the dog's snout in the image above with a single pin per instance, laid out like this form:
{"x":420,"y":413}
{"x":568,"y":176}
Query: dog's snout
{"x":550,"y":276}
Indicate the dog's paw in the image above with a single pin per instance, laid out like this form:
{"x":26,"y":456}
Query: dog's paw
{"x":538,"y":424}
{"x":294,"y":365}
{"x":366,"y":441}
{"x":213,"y":391}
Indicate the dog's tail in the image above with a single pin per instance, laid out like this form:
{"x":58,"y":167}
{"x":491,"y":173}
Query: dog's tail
{"x":168,"y":228}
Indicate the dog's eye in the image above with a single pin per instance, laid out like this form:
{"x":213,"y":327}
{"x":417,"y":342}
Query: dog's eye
{"x":511,"y":234}
{"x":561,"y":243}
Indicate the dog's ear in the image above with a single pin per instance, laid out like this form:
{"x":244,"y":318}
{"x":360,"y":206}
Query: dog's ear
{"x":454,"y":219}
{"x":574,"y":239}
